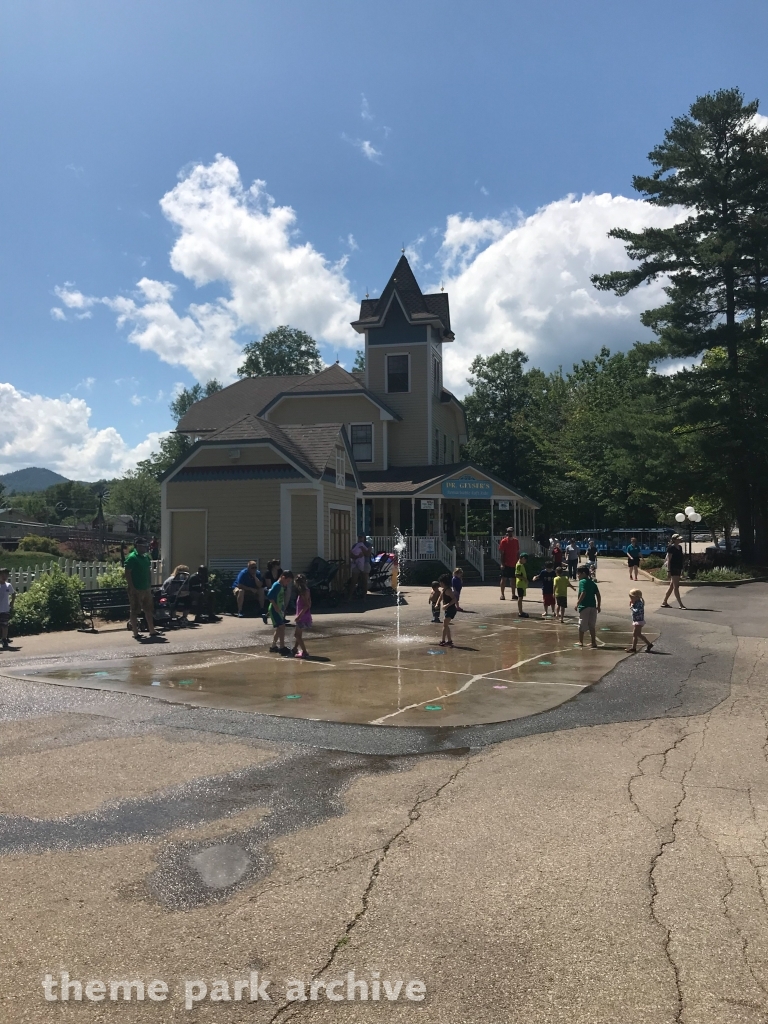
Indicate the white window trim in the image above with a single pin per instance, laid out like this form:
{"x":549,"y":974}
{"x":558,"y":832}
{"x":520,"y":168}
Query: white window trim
{"x":340,"y":452}
{"x":363,"y":423}
{"x":386,"y":373}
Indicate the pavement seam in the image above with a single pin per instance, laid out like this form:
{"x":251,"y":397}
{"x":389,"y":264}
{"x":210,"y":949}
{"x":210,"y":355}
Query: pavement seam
{"x":414,"y":815}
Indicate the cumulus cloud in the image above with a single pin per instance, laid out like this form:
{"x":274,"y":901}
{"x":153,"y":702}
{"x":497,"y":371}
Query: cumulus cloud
{"x":527,"y":284}
{"x":57,"y":433}
{"x":241,"y":239}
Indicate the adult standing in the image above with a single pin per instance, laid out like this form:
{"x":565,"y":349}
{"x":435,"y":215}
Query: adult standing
{"x":674,"y":564}
{"x":633,"y":557}
{"x":557,"y":554}
{"x":509,"y":549}
{"x":360,"y":565}
{"x":573,"y":557}
{"x":138,"y":576}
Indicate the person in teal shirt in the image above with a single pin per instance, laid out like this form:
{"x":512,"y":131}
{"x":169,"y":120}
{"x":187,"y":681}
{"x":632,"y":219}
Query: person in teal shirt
{"x":138,"y":576}
{"x":633,"y":557}
{"x":588,"y":606}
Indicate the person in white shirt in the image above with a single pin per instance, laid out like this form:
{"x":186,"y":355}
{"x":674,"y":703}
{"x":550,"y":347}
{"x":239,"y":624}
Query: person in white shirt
{"x":572,"y":557}
{"x":7,"y":599}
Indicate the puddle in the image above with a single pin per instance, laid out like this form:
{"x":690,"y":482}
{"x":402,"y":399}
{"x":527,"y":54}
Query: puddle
{"x":364,"y":677}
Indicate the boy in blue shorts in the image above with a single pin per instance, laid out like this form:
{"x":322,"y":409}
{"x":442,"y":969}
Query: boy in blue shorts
{"x":276,"y":611}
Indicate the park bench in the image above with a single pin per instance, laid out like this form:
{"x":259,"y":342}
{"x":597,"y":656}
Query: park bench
{"x":100,"y":600}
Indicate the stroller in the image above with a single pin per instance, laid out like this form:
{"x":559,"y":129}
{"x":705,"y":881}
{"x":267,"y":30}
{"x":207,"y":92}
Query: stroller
{"x":380,"y":579}
{"x":320,"y":575}
{"x":167,"y":607}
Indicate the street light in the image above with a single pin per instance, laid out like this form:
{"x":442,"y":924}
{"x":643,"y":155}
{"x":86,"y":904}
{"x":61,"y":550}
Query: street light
{"x":690,"y":516}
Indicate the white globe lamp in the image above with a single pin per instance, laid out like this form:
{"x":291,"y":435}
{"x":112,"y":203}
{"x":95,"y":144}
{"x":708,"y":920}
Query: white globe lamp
{"x":690,"y":511}
{"x":680,"y":517}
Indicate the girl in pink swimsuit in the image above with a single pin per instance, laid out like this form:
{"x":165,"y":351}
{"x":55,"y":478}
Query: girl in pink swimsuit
{"x":303,"y":618}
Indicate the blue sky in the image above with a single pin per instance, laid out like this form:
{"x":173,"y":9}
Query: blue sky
{"x":444,"y":127}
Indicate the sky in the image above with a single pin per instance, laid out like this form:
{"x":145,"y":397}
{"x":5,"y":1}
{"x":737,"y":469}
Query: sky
{"x":178,"y":178}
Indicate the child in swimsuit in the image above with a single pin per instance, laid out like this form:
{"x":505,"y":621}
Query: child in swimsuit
{"x":303,"y":618}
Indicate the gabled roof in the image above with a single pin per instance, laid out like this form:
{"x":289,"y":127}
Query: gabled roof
{"x":419,"y":308}
{"x":333,"y":380}
{"x":309,"y":447}
{"x":412,"y":480}
{"x":253,"y":396}
{"x":248,"y":395}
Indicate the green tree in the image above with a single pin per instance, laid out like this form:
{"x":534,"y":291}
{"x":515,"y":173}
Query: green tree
{"x":284,"y":351}
{"x":187,"y":397}
{"x":714,"y":163}
{"x":359,"y":364}
{"x":137,"y":494}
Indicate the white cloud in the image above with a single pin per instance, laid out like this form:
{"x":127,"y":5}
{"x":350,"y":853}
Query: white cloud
{"x":365,"y":146}
{"x":58,"y":314}
{"x":239,"y":238}
{"x":365,"y":110}
{"x":56,"y":433}
{"x":527,"y":284}
{"x":86,"y":384}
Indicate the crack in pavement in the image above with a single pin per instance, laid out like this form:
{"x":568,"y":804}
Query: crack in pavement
{"x":414,"y":815}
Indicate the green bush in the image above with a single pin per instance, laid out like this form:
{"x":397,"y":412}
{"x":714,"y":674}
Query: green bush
{"x":43,"y":545}
{"x":722,"y":574}
{"x":113,"y":577}
{"x":652,"y":562}
{"x":51,"y":603}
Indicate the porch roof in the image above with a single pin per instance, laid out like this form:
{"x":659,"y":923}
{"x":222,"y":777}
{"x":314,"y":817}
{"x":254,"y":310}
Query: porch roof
{"x":410,"y":481}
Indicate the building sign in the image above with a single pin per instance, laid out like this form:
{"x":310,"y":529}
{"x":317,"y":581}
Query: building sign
{"x":467,"y":487}
{"x":426,"y":545}
{"x":427,"y":502}
{"x":503,"y":506}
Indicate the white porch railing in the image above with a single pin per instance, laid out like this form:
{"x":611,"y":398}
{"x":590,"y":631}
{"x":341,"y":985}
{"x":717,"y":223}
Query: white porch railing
{"x":475,"y":555}
{"x":88,"y":572}
{"x":419,"y":549}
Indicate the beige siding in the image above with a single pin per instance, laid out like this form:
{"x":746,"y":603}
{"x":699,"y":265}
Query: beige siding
{"x":407,"y":439}
{"x":188,"y":539}
{"x":254,"y":455}
{"x":338,"y":409}
{"x":243,"y":516}
{"x":303,"y":530}
{"x":444,"y":418}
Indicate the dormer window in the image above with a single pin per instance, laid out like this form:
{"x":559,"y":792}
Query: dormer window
{"x":398,"y":376}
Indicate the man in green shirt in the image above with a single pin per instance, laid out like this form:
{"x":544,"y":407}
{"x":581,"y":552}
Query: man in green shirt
{"x":138,"y":576}
{"x":587,"y":605}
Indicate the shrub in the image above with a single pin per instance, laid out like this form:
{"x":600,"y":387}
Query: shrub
{"x":722,"y":574}
{"x":113,"y":577}
{"x":51,"y":603}
{"x":651,"y":562}
{"x":43,"y":545}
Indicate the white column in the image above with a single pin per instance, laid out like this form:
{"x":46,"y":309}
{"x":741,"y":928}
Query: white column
{"x":466,"y":520}
{"x":413,"y":517}
{"x":491,"y":542}
{"x":440,"y":517}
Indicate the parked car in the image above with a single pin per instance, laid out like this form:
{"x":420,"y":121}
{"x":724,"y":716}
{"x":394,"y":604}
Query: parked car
{"x":720,"y":546}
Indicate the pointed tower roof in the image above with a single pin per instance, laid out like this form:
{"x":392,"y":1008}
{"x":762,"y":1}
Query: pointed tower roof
{"x":419,"y":308}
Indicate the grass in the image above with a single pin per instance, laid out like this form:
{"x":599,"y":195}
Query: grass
{"x":23,"y":559}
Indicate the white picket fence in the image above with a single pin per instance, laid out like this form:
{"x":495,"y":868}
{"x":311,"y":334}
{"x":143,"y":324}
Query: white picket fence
{"x":419,"y":549}
{"x":88,"y":572}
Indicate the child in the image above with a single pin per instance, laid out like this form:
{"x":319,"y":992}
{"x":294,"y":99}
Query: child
{"x":7,"y":599}
{"x":449,"y":610}
{"x":521,"y":584}
{"x":457,"y":582}
{"x":434,"y":601}
{"x":587,"y":605}
{"x":561,"y":585}
{"x":637,"y":604}
{"x":547,"y":577}
{"x":276,"y":610}
{"x":303,"y":618}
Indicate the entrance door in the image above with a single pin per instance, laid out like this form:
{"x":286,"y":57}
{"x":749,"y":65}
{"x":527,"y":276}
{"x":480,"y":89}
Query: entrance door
{"x":340,"y":541}
{"x":188,"y":540}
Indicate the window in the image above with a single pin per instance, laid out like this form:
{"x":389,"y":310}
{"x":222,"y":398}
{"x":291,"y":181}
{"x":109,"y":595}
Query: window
{"x":436,"y":447}
{"x":362,"y":441}
{"x":341,"y":468}
{"x":397,"y":374}
{"x":436,"y":375}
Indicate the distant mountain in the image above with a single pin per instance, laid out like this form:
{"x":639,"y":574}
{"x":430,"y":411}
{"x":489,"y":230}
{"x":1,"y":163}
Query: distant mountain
{"x":23,"y":481}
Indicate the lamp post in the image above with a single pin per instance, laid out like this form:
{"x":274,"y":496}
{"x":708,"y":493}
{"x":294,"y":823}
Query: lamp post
{"x":689,"y":516}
